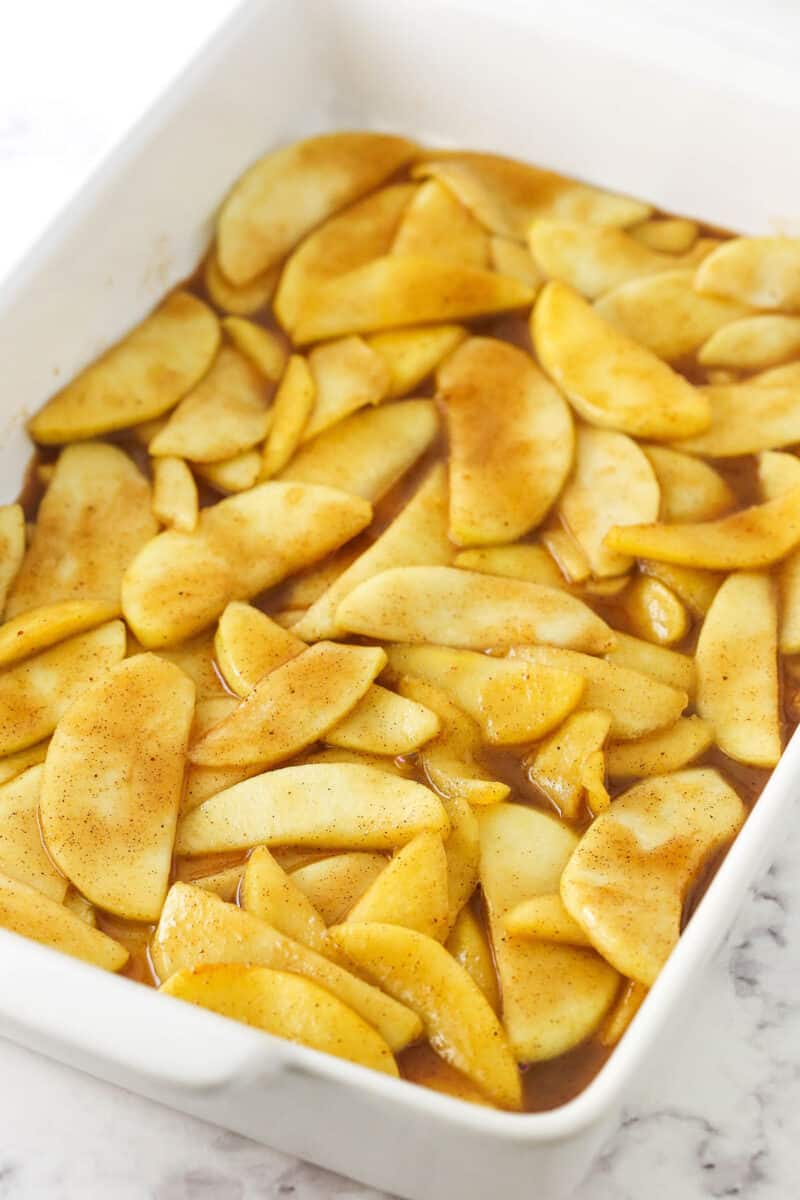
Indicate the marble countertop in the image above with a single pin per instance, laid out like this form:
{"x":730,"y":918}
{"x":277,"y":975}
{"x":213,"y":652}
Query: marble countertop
{"x":718,"y":1117}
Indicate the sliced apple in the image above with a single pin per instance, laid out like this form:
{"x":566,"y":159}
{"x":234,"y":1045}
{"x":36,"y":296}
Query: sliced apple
{"x":39,"y":628}
{"x":659,"y":662}
{"x":364,"y":809}
{"x":22,"y":855}
{"x":12,"y":547}
{"x":623,"y":1012}
{"x":638,"y":703}
{"x":291,"y":409}
{"x":508,"y":461}
{"x":196,"y":928}
{"x":525,"y":560}
{"x":511,"y":258}
{"x":627,"y":880}
{"x":175,"y":502}
{"x":195,"y":657}
{"x":654,"y":612}
{"x":691,"y":490}
{"x":385,"y":723}
{"x":334,"y":884}
{"x":417,"y":535}
{"x":412,"y":354}
{"x":593,"y":259}
{"x":610,"y":379}
{"x":369,"y":451}
{"x":12,"y":765}
{"x":29,"y":912}
{"x":181,"y":582}
{"x":225,"y":883}
{"x":660,"y":753}
{"x":672,"y":235}
{"x":573,"y":565}
{"x":261,"y":347}
{"x":557,"y":767}
{"x":248,"y":645}
{"x":753,"y":537}
{"x":287,"y":1006}
{"x":436,"y":225}
{"x":462,"y":608}
{"x":115,"y":770}
{"x":457,"y":1017}
{"x":470,"y":947}
{"x":737,"y":670}
{"x":240,"y":301}
{"x":35,"y":694}
{"x":777,"y":474}
{"x":411,"y":890}
{"x":231,"y":475}
{"x":753,"y":343}
{"x":761,"y":271}
{"x":269,"y":893}
{"x":695,"y":587}
{"x":612,"y":484}
{"x":348,"y":375}
{"x":139,"y":378}
{"x":545,"y":919}
{"x":93,"y":519}
{"x":554,"y":996}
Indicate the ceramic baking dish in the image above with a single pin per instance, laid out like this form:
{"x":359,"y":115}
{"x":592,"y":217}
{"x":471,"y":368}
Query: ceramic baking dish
{"x":675,"y":117}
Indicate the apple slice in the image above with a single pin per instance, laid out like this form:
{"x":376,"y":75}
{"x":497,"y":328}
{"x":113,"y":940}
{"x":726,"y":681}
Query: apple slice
{"x":364,"y":809}
{"x":12,"y":547}
{"x":509,"y":257}
{"x":761,"y":271}
{"x":287,"y":1006}
{"x":458,"y":1020}
{"x":292,"y":707}
{"x":26,"y":911}
{"x":335,"y":883}
{"x":348,"y":375}
{"x":747,"y":417}
{"x":753,"y":343}
{"x":662,"y":752}
{"x":115,"y":770}
{"x":593,"y":259}
{"x":412,"y":354}
{"x":695,"y":587}
{"x":93,"y":519}
{"x":470,"y":947}
{"x":435,"y":225}
{"x":462,"y":608}
{"x":175,"y":502}
{"x":22,"y":855}
{"x":269,"y":893}
{"x":40,"y":628}
{"x":691,"y":490}
{"x":525,"y":560}
{"x":737,"y":670}
{"x":659,"y":662}
{"x":672,"y":235}
{"x":264,"y":349}
{"x":196,"y":929}
{"x":545,"y":919}
{"x":35,"y":694}
{"x":654,"y":613}
{"x":610,"y":380}
{"x":509,"y":461}
{"x":291,"y":409}
{"x":554,"y":996}
{"x":12,"y":765}
{"x":181,"y":582}
{"x":385,"y":723}
{"x":241,"y":301}
{"x":411,"y":890}
{"x":139,"y":378}
{"x":627,"y":880}
{"x":558,"y":765}
{"x":249,"y":645}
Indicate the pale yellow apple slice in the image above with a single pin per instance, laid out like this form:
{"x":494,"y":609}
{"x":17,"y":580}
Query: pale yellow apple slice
{"x":777,"y":474}
{"x":181,"y":582}
{"x":39,"y":628}
{"x":175,"y":502}
{"x":334,"y":884}
{"x":114,"y":770}
{"x":369,"y":451}
{"x":287,"y":1006}
{"x":691,"y":490}
{"x":654,"y":613}
{"x":394,"y":291}
{"x":695,"y":587}
{"x":627,"y":880}
{"x":248,"y":645}
{"x":462,"y":608}
{"x":364,"y":809}
{"x":513,"y":701}
{"x":672,"y":235}
{"x":12,"y":765}
{"x":593,"y":259}
{"x":450,"y":760}
{"x":462,"y":847}
{"x":761,"y":271}
{"x":638,"y":704}
{"x":525,"y":560}
{"x":93,"y":519}
{"x":664,"y":313}
{"x":737,"y":670}
{"x":348,"y":240}
{"x":385,"y":723}
{"x":225,"y":414}
{"x":291,"y":707}
{"x":436,"y":225}
{"x":288,"y":192}
{"x":197,"y":928}
{"x":12,"y":547}
{"x":662,"y":752}
{"x":612,"y":484}
{"x":35,"y":694}
{"x":512,"y":258}
{"x":412,"y":354}
{"x":747,"y":417}
{"x":225,"y":883}
{"x":269,"y":893}
{"x":29,"y":912}
{"x":291,"y":409}
{"x":557,"y":767}
{"x":231,"y":475}
{"x":411,"y":890}
{"x":507,"y":195}
{"x":554,"y":996}
{"x":264,"y":349}
{"x":609,"y":379}
{"x":470,"y":947}
{"x":458,"y":1020}
{"x":659,"y":662}
{"x":545,"y":919}
{"x":241,"y":301}
{"x":509,"y":460}
{"x":139,"y":378}
{"x":417,"y":535}
{"x":22,"y":854}
{"x":753,"y":537}
{"x":753,"y":343}
{"x":348,"y":375}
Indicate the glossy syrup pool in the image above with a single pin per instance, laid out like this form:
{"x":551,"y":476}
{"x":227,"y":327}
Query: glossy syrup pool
{"x":546,"y":1085}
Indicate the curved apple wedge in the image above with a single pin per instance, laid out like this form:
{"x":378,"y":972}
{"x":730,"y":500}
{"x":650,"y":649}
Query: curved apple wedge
{"x":39,"y":628}
{"x":457,"y":1017}
{"x":762,"y":271}
{"x":662,"y":752}
{"x":285,"y":1005}
{"x":385,"y":723}
{"x":334,"y":884}
{"x":26,"y":911}
{"x":269,"y":893}
{"x":436,"y":225}
{"x":627,"y":880}
{"x":450,"y":607}
{"x":249,"y":645}
{"x":114,"y":770}
{"x":691,"y":490}
{"x":22,"y":854}
{"x":410,"y":891}
{"x":364,"y":808}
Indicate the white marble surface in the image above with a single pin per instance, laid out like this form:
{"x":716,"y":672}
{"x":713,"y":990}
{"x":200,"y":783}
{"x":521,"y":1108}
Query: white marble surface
{"x":719,"y":1117}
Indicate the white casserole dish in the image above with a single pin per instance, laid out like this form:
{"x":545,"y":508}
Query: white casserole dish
{"x":558,"y":86}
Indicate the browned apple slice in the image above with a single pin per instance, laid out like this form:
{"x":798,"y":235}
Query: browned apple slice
{"x":435,"y":225}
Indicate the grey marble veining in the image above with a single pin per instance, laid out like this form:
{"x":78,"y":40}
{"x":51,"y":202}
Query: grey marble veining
{"x":716,"y":1114}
